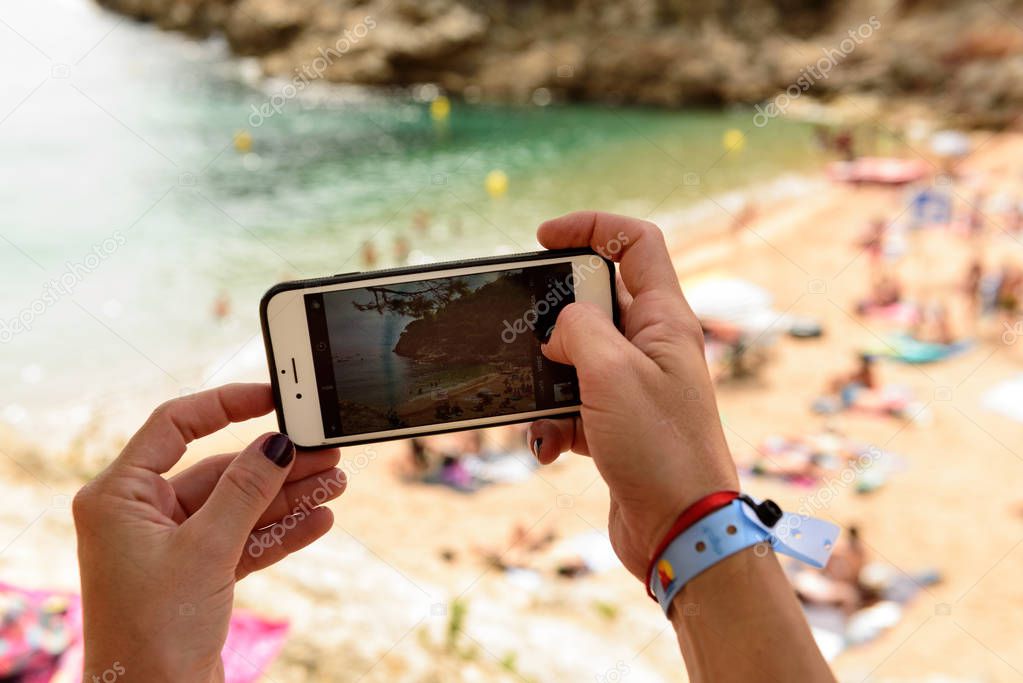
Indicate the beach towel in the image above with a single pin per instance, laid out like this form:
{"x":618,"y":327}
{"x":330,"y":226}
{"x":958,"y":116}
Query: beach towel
{"x":931,"y":206}
{"x":901,"y":313}
{"x":36,"y":628}
{"x":824,"y":456}
{"x":470,"y":473}
{"x":879,"y":170}
{"x":1005,"y":398}
{"x":502,"y":467}
{"x":905,"y":349}
{"x":41,"y":639}
{"x":891,"y":400}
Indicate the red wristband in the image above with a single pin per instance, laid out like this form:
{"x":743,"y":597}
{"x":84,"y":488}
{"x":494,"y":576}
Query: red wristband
{"x":691,"y":515}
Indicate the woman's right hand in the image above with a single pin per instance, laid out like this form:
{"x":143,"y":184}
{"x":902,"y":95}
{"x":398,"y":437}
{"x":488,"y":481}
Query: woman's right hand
{"x":648,"y":418}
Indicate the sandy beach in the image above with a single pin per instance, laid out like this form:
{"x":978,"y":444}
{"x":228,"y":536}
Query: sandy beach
{"x":952,"y":508}
{"x":465,"y":396}
{"x":376,"y":599}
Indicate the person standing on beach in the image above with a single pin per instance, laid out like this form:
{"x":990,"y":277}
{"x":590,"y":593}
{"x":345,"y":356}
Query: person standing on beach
{"x":149,"y":544}
{"x":975,"y":220}
{"x":873,"y":242}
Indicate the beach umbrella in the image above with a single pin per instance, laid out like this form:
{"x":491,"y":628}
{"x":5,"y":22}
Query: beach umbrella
{"x":740,"y":303}
{"x":731,"y":300}
{"x":950,"y":143}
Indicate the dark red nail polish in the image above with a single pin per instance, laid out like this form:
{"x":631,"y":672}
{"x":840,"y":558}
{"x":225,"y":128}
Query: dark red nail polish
{"x":279,"y":450}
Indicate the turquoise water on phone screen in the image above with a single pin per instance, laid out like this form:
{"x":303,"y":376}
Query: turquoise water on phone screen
{"x":138,"y":236}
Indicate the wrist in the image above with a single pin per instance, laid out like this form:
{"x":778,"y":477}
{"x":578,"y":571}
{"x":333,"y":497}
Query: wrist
{"x":724,"y":524}
{"x":716,"y":588}
{"x":142,"y":659}
{"x":718,"y":475}
{"x":691,"y":514}
{"x":746,"y":602}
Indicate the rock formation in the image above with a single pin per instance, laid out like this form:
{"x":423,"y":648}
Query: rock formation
{"x":959,"y":57}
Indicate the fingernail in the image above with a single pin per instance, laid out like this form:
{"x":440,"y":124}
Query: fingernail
{"x":537,"y":443}
{"x":279,"y":450}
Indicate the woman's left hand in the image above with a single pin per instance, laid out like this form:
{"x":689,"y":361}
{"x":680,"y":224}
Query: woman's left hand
{"x":160,"y":556}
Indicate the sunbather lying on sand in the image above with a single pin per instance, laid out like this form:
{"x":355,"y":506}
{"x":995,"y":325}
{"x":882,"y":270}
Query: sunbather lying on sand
{"x":838,"y":583}
{"x":853,"y":599}
{"x":872,"y":241}
{"x":728,"y":350}
{"x":862,"y":391}
{"x":521,"y":549}
{"x":1009,"y":292}
{"x":467,"y":461}
{"x":934,"y":325}
{"x":801,"y":458}
{"x":810,"y":458}
{"x":884,"y":291}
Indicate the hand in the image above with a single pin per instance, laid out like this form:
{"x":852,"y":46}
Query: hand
{"x":159,"y":557}
{"x":648,"y":417}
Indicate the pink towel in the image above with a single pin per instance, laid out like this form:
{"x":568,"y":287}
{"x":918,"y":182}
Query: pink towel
{"x":253,"y":642}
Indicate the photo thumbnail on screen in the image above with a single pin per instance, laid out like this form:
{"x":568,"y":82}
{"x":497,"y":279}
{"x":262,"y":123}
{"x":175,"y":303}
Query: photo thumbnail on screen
{"x":439,"y":350}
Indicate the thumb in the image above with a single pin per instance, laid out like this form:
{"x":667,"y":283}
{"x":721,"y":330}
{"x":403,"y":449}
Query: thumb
{"x":247,"y":487}
{"x":586,"y":337}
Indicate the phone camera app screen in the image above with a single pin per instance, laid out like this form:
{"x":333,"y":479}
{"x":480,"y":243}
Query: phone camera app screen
{"x":439,"y":350}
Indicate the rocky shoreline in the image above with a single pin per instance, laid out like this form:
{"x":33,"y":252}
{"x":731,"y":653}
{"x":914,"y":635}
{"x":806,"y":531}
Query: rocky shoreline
{"x":963,"y":59}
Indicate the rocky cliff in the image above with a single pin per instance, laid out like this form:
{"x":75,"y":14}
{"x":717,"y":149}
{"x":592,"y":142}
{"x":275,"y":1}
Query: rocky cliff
{"x":456,"y":334}
{"x":962,"y":58}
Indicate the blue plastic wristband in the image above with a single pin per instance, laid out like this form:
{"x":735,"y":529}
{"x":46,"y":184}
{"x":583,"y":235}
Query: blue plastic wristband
{"x":729,"y":530}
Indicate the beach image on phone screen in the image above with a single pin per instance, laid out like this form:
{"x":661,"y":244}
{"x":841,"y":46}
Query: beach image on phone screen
{"x":439,"y":350}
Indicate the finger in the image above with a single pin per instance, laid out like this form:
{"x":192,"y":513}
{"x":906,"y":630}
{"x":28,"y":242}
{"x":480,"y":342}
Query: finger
{"x":624,"y":304}
{"x":308,"y":463}
{"x":193,"y":485}
{"x":550,"y":438}
{"x":585,"y":337}
{"x":161,"y":441}
{"x":304,"y":494}
{"x":638,"y":245}
{"x":624,"y":296}
{"x":272,"y":545}
{"x":658,"y":315}
{"x":247,"y":488}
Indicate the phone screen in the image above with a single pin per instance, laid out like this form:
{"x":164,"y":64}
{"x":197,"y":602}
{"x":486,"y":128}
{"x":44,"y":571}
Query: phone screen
{"x":439,"y":350}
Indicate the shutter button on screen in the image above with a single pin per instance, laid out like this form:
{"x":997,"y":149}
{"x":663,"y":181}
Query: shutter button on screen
{"x":544,"y":327}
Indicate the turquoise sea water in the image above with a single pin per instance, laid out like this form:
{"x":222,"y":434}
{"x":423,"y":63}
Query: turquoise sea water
{"x":128,"y":211}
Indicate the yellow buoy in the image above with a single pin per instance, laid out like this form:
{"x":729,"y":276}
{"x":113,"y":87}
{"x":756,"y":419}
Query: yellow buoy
{"x":440,"y":108}
{"x":243,"y":141}
{"x":733,"y":140}
{"x":496,"y":183}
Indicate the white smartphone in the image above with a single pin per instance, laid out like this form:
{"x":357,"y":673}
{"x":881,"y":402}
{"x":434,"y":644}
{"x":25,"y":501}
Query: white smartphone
{"x":363,"y":357}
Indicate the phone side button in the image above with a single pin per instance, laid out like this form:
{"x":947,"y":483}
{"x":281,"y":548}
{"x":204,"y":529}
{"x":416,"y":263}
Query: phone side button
{"x":354,"y":272}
